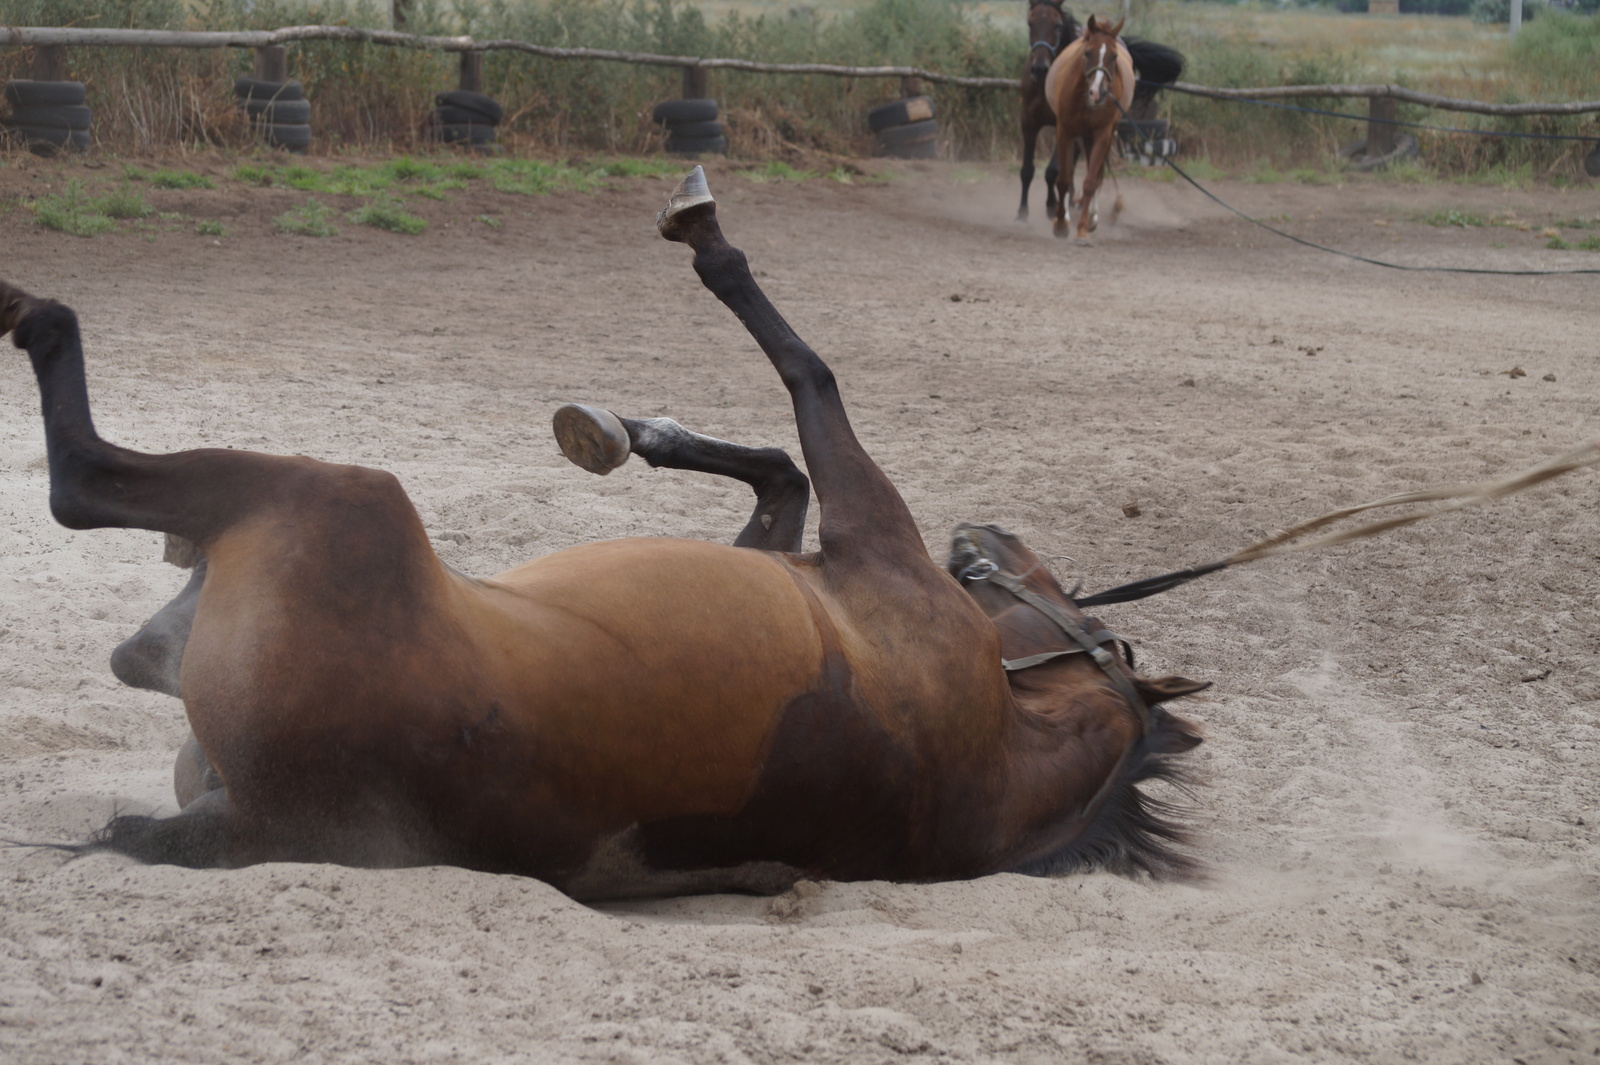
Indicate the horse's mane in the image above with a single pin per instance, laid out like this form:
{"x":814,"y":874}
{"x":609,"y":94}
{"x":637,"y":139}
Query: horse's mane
{"x":1134,"y":833}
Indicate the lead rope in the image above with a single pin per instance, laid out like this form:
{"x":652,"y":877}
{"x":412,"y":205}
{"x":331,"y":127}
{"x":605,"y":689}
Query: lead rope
{"x":1285,"y":542}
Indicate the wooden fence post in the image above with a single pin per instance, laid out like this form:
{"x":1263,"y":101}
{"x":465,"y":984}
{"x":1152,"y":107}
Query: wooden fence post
{"x":695,"y":83}
{"x":272,"y":63}
{"x":911,"y":86}
{"x":1380,"y":135}
{"x":471,"y":71}
{"x":50,"y":63}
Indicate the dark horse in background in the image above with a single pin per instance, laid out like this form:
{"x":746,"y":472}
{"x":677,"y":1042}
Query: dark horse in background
{"x":1051,"y":28}
{"x":630,"y":717}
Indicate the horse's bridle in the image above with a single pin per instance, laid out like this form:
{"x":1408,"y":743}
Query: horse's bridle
{"x":1061,"y":28}
{"x":1089,"y":640}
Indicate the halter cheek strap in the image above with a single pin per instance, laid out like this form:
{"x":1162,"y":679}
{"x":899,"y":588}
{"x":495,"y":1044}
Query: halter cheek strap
{"x":1088,"y":640}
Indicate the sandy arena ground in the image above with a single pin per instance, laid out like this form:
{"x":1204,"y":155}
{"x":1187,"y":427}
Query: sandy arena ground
{"x":1401,"y":802}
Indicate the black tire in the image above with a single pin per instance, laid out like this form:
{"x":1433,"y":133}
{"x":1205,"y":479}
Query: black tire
{"x":450,"y":115}
{"x":279,"y":112}
{"x":691,"y":130}
{"x":915,"y":133}
{"x":464,"y":133}
{"x":1591,"y":163}
{"x":928,"y":149}
{"x":676,"y":112}
{"x":65,"y":116}
{"x":46,"y":140}
{"x":248,"y":88}
{"x":900,"y":113}
{"x":45,"y":93}
{"x":294,"y":138}
{"x":698,"y":145}
{"x":476,"y":102}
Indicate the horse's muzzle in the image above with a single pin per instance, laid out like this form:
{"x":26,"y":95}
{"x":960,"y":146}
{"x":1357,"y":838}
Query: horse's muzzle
{"x":1039,"y":71}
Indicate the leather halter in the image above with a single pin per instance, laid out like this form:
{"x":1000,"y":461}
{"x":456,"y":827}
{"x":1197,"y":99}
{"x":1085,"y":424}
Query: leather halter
{"x":1089,"y":640}
{"x":1061,"y":28}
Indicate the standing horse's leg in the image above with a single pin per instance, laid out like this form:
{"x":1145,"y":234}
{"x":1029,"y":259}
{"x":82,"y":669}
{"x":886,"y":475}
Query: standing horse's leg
{"x":1052,"y":174}
{"x":1087,"y":218}
{"x":862,"y":515}
{"x":1030,"y":136}
{"x":600,"y":441}
{"x":1066,"y":194}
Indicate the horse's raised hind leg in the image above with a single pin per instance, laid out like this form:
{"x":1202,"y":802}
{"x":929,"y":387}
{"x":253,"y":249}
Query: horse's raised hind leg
{"x":600,"y":441}
{"x":862,"y":515}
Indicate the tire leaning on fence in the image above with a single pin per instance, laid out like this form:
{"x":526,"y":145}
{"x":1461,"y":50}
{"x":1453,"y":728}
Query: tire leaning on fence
{"x":692,"y":126}
{"x":1147,"y":140}
{"x":463,"y":117}
{"x":278,"y":110}
{"x":48,"y":115}
{"x":906,"y":129}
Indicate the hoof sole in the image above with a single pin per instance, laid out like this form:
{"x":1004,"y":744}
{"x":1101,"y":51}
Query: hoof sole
{"x":591,"y":438}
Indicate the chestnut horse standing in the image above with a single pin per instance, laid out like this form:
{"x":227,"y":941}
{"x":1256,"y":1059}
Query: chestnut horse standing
{"x":630,"y":717}
{"x":1051,"y":27}
{"x":1090,"y":86}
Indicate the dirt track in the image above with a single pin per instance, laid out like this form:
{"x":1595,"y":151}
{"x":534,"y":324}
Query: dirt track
{"x":1403,"y":741}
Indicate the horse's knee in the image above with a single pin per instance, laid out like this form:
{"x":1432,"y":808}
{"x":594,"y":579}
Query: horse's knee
{"x":193,"y":776}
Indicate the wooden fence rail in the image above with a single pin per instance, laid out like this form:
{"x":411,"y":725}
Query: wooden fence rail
{"x":46,"y":36}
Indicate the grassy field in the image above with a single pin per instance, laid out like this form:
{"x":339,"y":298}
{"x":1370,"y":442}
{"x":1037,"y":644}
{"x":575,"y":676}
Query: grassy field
{"x":376,"y":98}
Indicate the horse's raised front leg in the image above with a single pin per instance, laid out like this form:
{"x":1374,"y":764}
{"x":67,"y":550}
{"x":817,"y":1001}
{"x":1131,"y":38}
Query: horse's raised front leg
{"x":600,"y":441}
{"x":862,"y":515}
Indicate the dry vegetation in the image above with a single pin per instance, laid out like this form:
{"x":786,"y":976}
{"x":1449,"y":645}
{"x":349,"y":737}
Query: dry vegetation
{"x":379,"y":98}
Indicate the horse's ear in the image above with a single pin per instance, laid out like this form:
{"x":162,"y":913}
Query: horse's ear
{"x":1089,"y":27}
{"x":1116,"y":30}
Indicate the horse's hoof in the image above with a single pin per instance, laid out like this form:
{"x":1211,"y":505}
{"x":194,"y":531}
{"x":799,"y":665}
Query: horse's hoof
{"x":692,"y":192}
{"x":1083,"y":242}
{"x":591,"y":437}
{"x":1062,"y":231}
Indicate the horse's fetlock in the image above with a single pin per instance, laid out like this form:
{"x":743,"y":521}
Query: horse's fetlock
{"x":43,"y":325}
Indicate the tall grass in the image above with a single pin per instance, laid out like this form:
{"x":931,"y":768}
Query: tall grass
{"x":371,"y":97}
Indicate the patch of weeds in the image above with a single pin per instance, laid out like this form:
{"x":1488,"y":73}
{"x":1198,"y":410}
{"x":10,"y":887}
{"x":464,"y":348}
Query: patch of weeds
{"x":253,"y":174}
{"x":1307,"y":176}
{"x":774,"y":170}
{"x":1203,"y":170}
{"x":1591,"y":243}
{"x":465,"y":171}
{"x":170,"y":216}
{"x":387,"y":213}
{"x":531,"y":177}
{"x":125,"y":202}
{"x":310,"y":219}
{"x":489,"y":220}
{"x":304,"y":178}
{"x":179,"y":179}
{"x":1453,"y":217}
{"x":1577,"y":223}
{"x":207,"y":227}
{"x":637,"y":168}
{"x":132,"y":173}
{"x":1264,"y":174}
{"x":1407,"y":172}
{"x":71,"y":212}
{"x":407,"y":169}
{"x":429,"y":192}
{"x":842,"y":175}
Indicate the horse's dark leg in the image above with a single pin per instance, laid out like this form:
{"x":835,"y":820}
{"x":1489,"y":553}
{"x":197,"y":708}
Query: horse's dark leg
{"x":1030,"y":137}
{"x":600,"y":441}
{"x":1052,"y":174}
{"x":1099,"y":149}
{"x":862,"y":513}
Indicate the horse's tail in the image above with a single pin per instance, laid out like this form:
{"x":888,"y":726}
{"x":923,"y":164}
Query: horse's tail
{"x":1156,"y":64}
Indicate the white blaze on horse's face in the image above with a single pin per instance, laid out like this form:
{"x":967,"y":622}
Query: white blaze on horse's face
{"x":1098,"y":80}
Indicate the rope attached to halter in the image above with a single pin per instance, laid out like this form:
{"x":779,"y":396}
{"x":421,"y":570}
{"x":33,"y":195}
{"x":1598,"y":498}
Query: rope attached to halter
{"x":1291,"y":539}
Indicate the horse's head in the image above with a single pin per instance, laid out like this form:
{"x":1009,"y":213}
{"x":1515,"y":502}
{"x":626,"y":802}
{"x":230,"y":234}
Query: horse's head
{"x":1100,"y":47}
{"x":1049,"y":27}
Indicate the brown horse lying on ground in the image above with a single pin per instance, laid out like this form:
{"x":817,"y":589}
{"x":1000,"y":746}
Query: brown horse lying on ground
{"x":631,"y":717}
{"x":1090,"y":86}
